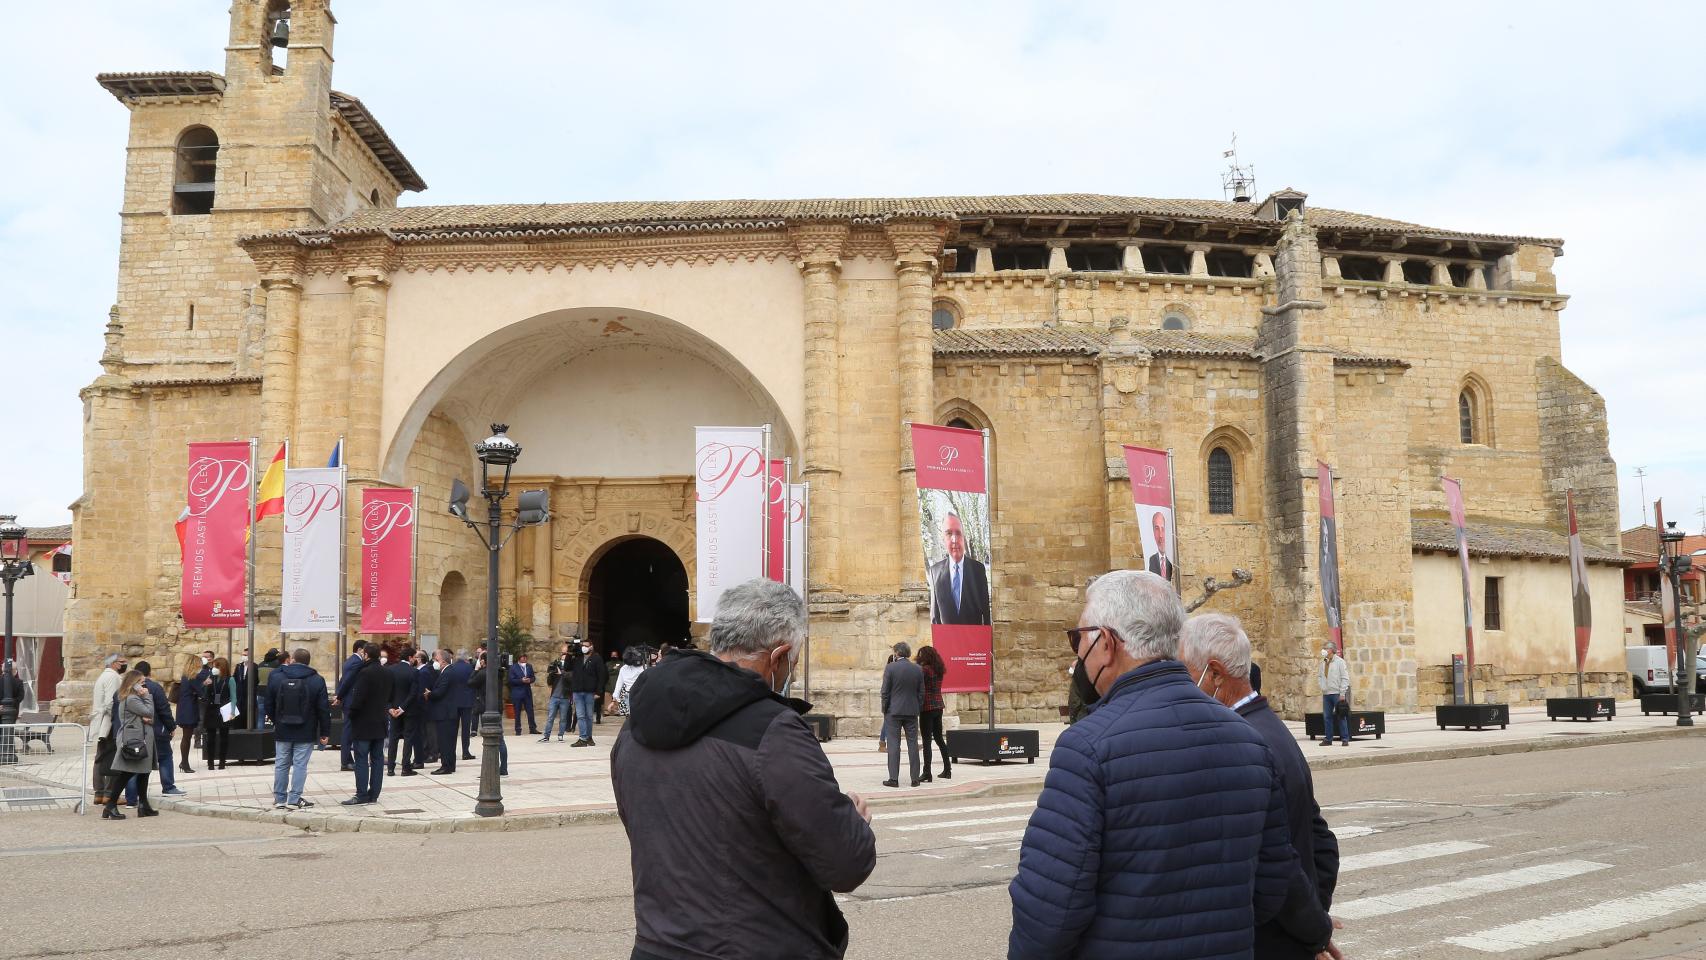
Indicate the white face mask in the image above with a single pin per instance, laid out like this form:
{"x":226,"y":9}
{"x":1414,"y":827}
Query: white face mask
{"x":438,"y":664}
{"x":384,"y":659}
{"x":206,"y":660}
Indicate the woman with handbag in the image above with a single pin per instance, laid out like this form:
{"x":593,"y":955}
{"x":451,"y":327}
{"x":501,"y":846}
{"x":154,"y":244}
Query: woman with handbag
{"x":135,"y":743}
{"x":634,"y":661}
{"x":219,"y":688}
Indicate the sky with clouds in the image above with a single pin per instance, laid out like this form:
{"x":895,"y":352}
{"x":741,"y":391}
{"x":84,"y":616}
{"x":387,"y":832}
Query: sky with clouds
{"x":1552,"y":119}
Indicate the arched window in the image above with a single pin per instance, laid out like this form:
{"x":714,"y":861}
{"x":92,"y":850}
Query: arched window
{"x":1173,"y":321}
{"x":1474,"y":412}
{"x":944,"y":315}
{"x":1466,"y":417}
{"x":373,"y":197}
{"x":1221,"y":492}
{"x":961,"y":423}
{"x":197,"y":162}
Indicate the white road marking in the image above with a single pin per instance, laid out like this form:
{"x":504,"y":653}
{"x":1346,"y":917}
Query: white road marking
{"x":1421,"y":851}
{"x":974,"y":822}
{"x":996,"y":837}
{"x":954,"y":811}
{"x":1352,"y":832}
{"x":1577,"y":923}
{"x":1491,"y":883}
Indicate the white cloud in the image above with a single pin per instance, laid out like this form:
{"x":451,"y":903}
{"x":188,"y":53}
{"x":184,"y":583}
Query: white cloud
{"x":1537,"y":118}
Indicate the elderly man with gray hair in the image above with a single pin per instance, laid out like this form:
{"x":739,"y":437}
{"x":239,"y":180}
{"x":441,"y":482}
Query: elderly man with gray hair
{"x":1215,"y":649}
{"x":1161,"y":829}
{"x":738,"y":833}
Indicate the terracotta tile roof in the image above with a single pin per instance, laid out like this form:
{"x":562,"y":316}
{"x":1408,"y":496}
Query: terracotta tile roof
{"x":57,"y":534}
{"x":162,"y":83}
{"x":620,"y":216}
{"x":1043,"y":341}
{"x":1183,"y":343}
{"x":1491,"y":539}
{"x":377,"y":140}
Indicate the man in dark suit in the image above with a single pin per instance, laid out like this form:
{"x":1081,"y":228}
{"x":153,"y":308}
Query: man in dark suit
{"x":903,"y":701}
{"x":1160,"y":563}
{"x":1217,"y":652}
{"x":450,"y":686}
{"x":421,"y":728}
{"x":959,"y":585}
{"x":405,"y":702}
{"x":366,"y":714}
{"x":521,"y":677}
{"x":346,"y":682}
{"x":465,"y":716}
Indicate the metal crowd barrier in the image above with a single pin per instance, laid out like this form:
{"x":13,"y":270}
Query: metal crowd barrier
{"x":43,"y":765}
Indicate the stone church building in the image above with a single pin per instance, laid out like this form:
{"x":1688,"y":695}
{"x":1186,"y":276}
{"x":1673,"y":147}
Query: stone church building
{"x":270,"y":285}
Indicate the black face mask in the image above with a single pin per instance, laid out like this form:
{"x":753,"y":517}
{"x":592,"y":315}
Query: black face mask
{"x":1084,"y":684}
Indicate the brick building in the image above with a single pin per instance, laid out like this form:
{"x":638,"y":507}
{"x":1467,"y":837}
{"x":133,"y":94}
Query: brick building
{"x":270,"y":286}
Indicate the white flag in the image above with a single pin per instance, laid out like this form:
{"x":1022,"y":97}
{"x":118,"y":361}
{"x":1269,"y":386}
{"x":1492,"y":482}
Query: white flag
{"x":310,"y":600}
{"x":729,"y":486}
{"x":799,"y":507}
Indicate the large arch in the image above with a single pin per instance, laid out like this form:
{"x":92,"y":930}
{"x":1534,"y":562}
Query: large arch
{"x":635,"y":590}
{"x":509,"y":368}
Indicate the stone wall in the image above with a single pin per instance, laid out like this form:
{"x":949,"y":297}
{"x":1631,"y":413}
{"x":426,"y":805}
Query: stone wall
{"x":1494,"y":685}
{"x":1575,"y":447}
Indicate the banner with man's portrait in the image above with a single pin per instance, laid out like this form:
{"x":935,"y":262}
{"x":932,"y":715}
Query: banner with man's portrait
{"x":1151,"y":474}
{"x":953,"y":519}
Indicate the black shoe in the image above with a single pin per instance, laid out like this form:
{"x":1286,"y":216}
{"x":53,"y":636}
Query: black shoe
{"x":529,"y":733}
{"x":147,"y":812}
{"x":581,"y":743}
{"x":356,"y":802}
{"x":304,"y":802}
{"x":222,"y":764}
{"x":469,"y":756}
{"x":946,"y":775}
{"x":409,"y":772}
{"x":345,"y":769}
{"x":390,"y":771}
{"x":185,"y":767}
{"x":917,"y":782}
{"x":891,"y":783}
{"x":926,"y":778}
{"x":593,"y":743}
{"x":1326,"y":743}
{"x":111,"y":813}
{"x":503,"y":773}
{"x":440,"y":772}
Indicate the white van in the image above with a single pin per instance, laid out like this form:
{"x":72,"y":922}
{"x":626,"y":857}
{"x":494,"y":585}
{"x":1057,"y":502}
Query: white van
{"x":1649,"y":667}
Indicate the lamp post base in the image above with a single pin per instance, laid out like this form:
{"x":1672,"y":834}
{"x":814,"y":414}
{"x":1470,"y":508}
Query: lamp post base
{"x":490,"y":801}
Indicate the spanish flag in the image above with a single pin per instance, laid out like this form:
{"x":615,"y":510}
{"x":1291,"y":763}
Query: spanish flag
{"x":270,"y":498}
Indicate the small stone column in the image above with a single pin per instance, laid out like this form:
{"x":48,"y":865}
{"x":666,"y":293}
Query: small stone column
{"x":542,"y":575}
{"x":916,"y":246}
{"x":1394,"y":269}
{"x":1477,"y":277}
{"x":1330,"y":268}
{"x":1441,"y":274}
{"x":1199,"y":259}
{"x":1057,"y":256}
{"x":817,"y":250}
{"x":369,"y":298}
{"x":985,"y":262}
{"x":278,"y":363}
{"x":1131,"y":256}
{"x":1261,"y":264}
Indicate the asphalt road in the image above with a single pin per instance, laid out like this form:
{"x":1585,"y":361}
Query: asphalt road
{"x":1515,"y":857}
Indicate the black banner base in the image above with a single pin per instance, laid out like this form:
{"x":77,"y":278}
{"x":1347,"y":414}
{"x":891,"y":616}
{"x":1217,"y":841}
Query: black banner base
{"x":1581,"y":708}
{"x":1364,"y":723}
{"x":1666,"y":703}
{"x":988,"y":746}
{"x":823,"y":726}
{"x":1477,"y":715}
{"x":250,"y":746}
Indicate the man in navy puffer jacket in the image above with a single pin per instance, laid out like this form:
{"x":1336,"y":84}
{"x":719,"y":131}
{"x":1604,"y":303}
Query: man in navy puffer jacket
{"x":1161,"y":830}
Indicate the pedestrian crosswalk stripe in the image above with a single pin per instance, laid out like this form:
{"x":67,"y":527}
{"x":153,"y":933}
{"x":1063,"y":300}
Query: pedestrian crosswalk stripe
{"x":1352,"y":832}
{"x":1446,"y":892}
{"x":978,"y":808}
{"x":1421,"y":851}
{"x":1579,"y":923}
{"x":996,"y":837}
{"x":974,"y":822}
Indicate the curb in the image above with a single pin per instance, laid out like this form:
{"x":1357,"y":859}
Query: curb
{"x":316,"y":822}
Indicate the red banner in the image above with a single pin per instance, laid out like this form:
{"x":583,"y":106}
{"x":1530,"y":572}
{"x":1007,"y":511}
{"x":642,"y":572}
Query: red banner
{"x":1581,"y":603}
{"x":387,"y":560}
{"x":953,"y":512}
{"x":1454,"y":503}
{"x":215,"y":550}
{"x":1330,"y":557}
{"x":1667,"y":596}
{"x":776,"y":522}
{"x":1151,"y":474}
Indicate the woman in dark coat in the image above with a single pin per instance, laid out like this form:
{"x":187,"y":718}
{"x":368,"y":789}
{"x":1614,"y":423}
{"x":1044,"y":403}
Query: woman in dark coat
{"x":187,"y":712}
{"x":930,"y":720}
{"x":218,"y":689}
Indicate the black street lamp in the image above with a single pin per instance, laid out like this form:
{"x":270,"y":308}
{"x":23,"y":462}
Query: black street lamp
{"x":1673,"y":564}
{"x":497,"y":450}
{"x":14,"y":566}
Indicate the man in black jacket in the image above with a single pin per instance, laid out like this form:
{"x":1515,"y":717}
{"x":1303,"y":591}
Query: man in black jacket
{"x":366,"y":711}
{"x":1217,"y":652}
{"x":405,"y":703}
{"x":753,"y":872}
{"x":586,"y":682}
{"x":449,"y":685}
{"x":346,"y":679}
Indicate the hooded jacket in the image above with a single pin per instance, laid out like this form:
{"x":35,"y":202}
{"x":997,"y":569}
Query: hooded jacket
{"x":317,"y":723}
{"x":737,"y":829}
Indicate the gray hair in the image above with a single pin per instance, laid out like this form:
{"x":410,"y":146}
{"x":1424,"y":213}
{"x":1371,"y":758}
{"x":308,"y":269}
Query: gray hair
{"x":903,"y":650}
{"x":1215,"y":636}
{"x":757,"y":617}
{"x":443,"y":654}
{"x":1142,"y":608}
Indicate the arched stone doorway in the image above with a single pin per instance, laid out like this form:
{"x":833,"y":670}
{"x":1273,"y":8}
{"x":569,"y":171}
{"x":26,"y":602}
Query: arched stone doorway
{"x":454,"y":625}
{"x":636,"y":593}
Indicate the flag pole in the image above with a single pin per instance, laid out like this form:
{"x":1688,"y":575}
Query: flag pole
{"x":805,"y":575}
{"x":249,"y":602}
{"x":787,"y":511}
{"x":989,"y":517}
{"x":1173,"y":528}
{"x":764,"y":506}
{"x":343,"y":548}
{"x":415,"y":578}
